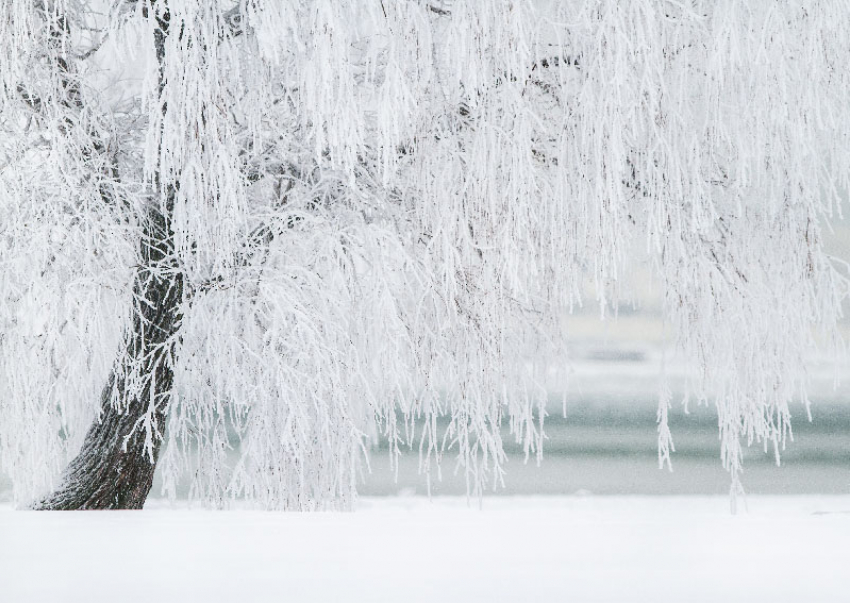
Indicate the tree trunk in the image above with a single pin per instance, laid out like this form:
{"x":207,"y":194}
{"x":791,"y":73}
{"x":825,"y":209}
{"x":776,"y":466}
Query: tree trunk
{"x":115,"y":467}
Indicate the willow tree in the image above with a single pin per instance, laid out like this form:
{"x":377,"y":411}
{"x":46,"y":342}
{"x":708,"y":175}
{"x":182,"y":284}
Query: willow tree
{"x":302,"y":223}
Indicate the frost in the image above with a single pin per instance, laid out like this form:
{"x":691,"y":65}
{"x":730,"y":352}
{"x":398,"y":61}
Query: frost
{"x":380,"y":209}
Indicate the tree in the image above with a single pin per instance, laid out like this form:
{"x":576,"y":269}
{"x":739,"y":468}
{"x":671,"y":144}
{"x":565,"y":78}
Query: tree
{"x":304,"y":223}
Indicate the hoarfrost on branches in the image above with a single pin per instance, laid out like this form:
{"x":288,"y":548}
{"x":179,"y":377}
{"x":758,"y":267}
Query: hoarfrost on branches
{"x":377,"y":210}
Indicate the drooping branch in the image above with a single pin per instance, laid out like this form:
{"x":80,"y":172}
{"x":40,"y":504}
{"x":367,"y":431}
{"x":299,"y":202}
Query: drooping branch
{"x":115,"y":467}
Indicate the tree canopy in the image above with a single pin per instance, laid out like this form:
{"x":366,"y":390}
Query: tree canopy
{"x":371,"y":214}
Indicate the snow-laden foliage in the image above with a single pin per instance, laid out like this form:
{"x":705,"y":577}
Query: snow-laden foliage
{"x":380,"y":209}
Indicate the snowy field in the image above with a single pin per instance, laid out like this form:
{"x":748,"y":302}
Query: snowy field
{"x":519,"y":549}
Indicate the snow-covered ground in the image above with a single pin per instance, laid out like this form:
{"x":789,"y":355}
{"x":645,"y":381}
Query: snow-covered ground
{"x":524,"y":549}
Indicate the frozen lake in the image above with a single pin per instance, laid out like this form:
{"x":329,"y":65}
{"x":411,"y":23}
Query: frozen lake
{"x":577,"y":549}
{"x":608,"y":443}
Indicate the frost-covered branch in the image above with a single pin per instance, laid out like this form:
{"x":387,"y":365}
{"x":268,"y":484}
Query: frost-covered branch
{"x":379,"y":212}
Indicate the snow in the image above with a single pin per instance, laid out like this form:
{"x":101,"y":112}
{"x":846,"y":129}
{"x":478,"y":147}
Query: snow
{"x":520,"y":549}
{"x":393,"y":216}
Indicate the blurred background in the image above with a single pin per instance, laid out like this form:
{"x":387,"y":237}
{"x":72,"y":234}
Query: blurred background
{"x":607,"y":444}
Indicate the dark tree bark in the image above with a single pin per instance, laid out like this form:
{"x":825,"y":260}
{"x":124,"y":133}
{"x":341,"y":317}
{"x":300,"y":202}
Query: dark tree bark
{"x":115,"y":467}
